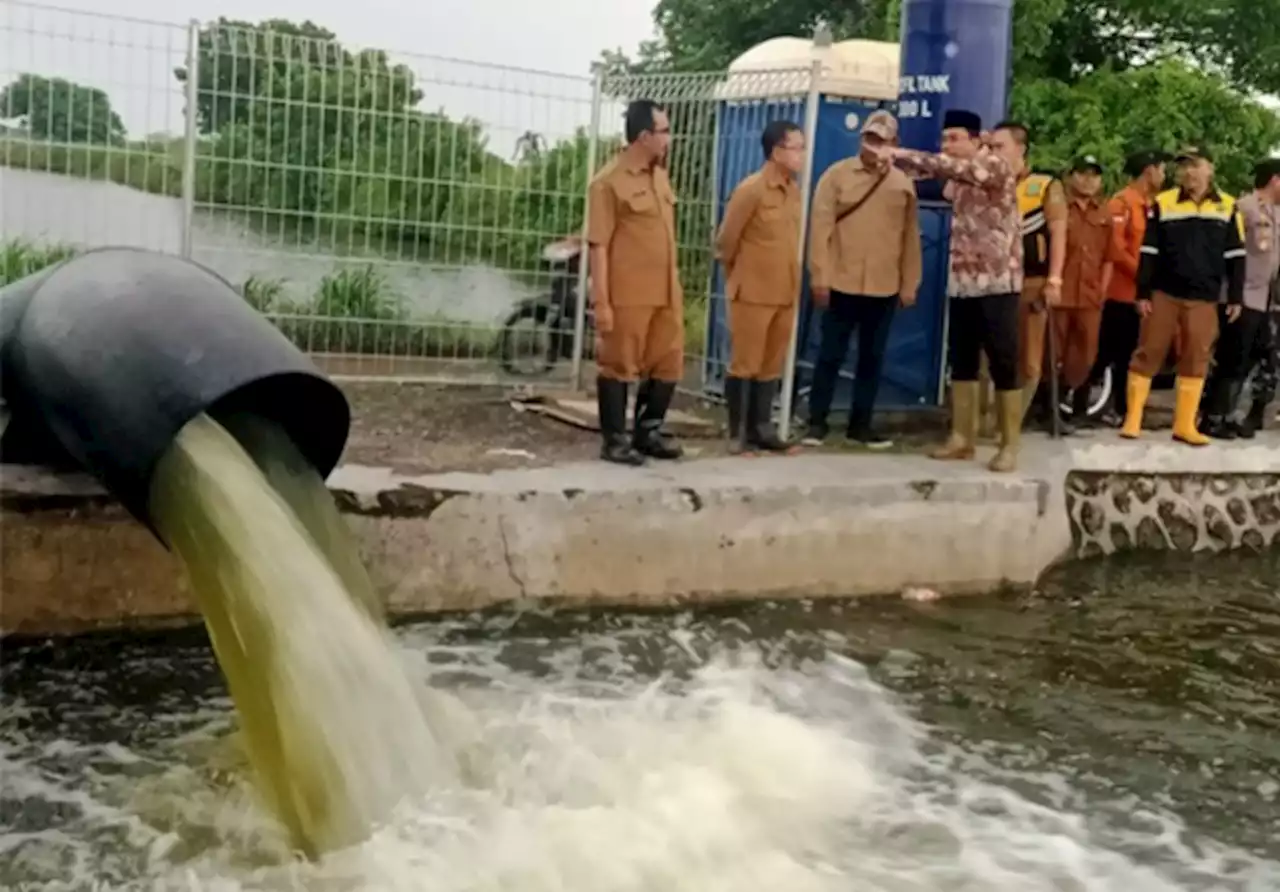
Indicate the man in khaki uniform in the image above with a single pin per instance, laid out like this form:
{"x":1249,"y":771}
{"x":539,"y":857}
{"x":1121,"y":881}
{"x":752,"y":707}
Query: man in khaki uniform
{"x":759,"y":245}
{"x":1086,"y":277}
{"x":635,"y":289}
{"x":864,"y":262}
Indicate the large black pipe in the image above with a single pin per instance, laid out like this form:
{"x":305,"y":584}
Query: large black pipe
{"x":105,"y":357}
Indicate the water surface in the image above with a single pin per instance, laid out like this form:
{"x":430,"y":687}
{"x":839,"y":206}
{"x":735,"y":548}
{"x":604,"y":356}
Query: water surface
{"x":1115,"y":730}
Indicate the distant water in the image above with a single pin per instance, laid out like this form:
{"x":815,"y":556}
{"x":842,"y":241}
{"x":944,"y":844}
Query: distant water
{"x":1114,"y":731}
{"x":47,"y":207}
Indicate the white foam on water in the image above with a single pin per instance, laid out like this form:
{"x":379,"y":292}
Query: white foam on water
{"x":740,"y":779}
{"x":577,"y":773}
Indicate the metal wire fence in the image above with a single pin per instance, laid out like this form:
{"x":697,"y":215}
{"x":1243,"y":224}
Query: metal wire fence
{"x":388,"y":211}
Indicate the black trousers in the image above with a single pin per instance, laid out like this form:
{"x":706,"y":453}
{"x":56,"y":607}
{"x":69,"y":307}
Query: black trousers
{"x":985,"y":324}
{"x":1266,"y":372}
{"x":871,"y":318}
{"x":1117,"y":339}
{"x":1238,"y":346}
{"x":1241,"y":346}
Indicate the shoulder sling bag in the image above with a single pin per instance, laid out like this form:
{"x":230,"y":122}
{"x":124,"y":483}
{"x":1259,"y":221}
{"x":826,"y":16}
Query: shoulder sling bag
{"x":857,"y":205}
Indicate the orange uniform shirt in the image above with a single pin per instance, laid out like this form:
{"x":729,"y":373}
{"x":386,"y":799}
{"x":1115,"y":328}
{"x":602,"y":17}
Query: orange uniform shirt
{"x":1129,"y":217}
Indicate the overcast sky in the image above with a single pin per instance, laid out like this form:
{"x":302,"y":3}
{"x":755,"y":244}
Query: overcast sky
{"x":133,"y":60}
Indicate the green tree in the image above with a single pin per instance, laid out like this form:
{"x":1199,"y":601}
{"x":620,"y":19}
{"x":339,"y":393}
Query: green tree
{"x":56,"y":110}
{"x":1097,"y":74}
{"x":1062,"y":39}
{"x":238,"y":61}
{"x":329,"y":141}
{"x":1162,"y":105}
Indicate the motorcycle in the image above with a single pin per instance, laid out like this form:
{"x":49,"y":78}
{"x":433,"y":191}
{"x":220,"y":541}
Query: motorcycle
{"x":540,"y":328}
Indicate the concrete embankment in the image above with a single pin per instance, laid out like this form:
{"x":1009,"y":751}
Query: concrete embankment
{"x":713,"y":530}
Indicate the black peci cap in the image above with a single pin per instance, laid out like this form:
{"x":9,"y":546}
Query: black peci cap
{"x":959,"y":118}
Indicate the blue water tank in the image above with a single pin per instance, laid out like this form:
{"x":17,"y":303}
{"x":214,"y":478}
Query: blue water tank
{"x":955,"y":54}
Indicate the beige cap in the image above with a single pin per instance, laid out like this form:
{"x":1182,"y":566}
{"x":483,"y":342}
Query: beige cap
{"x":881,"y":124}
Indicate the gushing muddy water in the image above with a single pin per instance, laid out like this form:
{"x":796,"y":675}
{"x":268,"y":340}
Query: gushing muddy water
{"x":1114,"y":731}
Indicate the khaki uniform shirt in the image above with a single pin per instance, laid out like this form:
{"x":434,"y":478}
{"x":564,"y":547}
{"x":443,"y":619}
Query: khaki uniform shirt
{"x":875,"y":250}
{"x":633,"y":214}
{"x":1089,"y":248}
{"x":759,"y":240}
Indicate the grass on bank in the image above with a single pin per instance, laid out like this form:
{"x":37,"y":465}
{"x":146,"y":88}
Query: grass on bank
{"x":354,"y":310}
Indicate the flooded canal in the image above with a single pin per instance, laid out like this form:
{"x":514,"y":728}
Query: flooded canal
{"x":1115,"y":730}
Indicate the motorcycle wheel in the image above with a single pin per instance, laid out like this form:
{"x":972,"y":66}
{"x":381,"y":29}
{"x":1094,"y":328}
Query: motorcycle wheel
{"x":527,"y":328}
{"x":1099,"y":398}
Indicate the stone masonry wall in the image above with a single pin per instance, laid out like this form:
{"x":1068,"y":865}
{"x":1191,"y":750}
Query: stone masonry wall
{"x":1126,"y":511}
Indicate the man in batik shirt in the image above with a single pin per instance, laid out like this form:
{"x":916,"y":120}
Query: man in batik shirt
{"x":985,"y":279}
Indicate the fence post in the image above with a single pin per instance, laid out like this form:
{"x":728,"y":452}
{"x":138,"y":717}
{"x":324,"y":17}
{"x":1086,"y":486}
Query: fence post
{"x":580,"y":308}
{"x":806,"y":191}
{"x":191,"y":118}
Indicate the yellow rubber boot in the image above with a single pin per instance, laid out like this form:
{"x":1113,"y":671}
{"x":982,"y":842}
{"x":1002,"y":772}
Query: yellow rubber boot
{"x":964,"y":423}
{"x":1028,"y":393}
{"x":1138,"y":388}
{"x":1189,"y":391}
{"x":1009,"y":406}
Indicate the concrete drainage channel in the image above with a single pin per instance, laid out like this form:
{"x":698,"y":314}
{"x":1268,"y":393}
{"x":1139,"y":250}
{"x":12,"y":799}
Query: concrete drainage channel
{"x":700,"y":531}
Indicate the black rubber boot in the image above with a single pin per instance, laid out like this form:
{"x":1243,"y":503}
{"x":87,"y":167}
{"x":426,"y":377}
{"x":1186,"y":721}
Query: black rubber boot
{"x":653,"y":399}
{"x":1219,"y":403}
{"x":761,"y":434}
{"x":735,"y":397}
{"x":1254,"y":421}
{"x":611,"y":399}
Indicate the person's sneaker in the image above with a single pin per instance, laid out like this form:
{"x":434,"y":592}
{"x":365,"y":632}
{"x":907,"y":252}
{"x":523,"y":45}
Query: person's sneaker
{"x":814,"y":436}
{"x":870,"y":440}
{"x":1111,"y":418}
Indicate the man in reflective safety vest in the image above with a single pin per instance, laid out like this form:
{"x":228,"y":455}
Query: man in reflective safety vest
{"x":1194,"y":245}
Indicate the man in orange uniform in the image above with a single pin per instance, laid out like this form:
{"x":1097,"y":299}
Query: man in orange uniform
{"x":759,"y":245}
{"x":1118,"y":334}
{"x":1193,"y":247}
{"x":635,"y":289}
{"x":1086,"y":274}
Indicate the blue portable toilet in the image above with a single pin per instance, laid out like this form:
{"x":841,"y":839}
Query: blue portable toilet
{"x":858,"y":77}
{"x":954,"y":54}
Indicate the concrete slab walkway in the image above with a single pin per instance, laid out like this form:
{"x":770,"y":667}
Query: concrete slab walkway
{"x":719,"y":529}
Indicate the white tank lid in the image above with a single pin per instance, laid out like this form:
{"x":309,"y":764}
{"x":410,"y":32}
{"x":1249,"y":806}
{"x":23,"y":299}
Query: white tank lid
{"x":860,"y":69}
